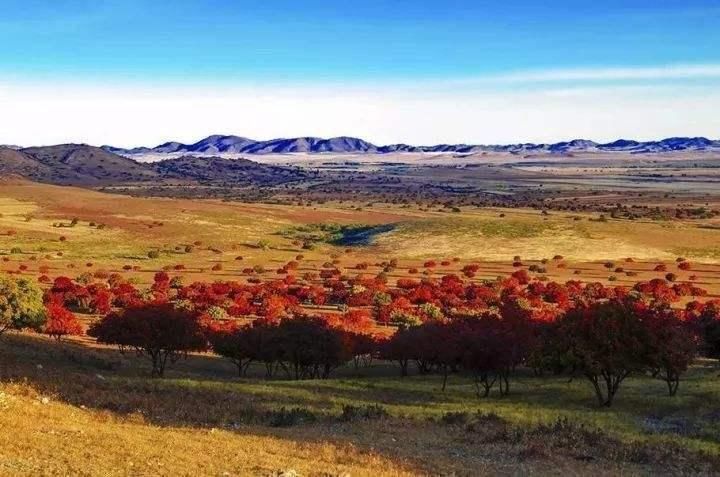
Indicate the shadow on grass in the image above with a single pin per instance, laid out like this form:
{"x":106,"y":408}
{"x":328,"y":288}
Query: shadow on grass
{"x":204,"y":392}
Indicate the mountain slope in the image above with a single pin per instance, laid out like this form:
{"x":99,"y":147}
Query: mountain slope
{"x":79,"y":164}
{"x":83,"y":164}
{"x":14,"y":162}
{"x":214,"y":144}
{"x":216,"y":170}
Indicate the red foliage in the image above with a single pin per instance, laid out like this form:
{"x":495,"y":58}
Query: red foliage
{"x":358,"y":321}
{"x":61,"y":322}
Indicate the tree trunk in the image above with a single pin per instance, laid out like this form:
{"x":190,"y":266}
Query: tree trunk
{"x":673,"y":382}
{"x":403,"y":367}
{"x":598,"y":390}
{"x":504,"y":383}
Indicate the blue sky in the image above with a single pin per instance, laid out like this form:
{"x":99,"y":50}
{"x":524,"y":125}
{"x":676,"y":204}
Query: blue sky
{"x":311,"y":40}
{"x":385,"y":49}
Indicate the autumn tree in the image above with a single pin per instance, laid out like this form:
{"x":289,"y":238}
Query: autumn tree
{"x":671,"y":345}
{"x":706,"y":321}
{"x":159,"y":331}
{"x":399,"y":347}
{"x":606,"y":342}
{"x":487,"y":352}
{"x":310,"y":347}
{"x":236,"y":344}
{"x":61,"y":322}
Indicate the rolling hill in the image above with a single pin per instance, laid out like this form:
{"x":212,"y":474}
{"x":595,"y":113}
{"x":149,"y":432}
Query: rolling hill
{"x":218,"y":171}
{"x":80,"y":164}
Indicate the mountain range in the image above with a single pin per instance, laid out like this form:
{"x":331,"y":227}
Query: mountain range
{"x":203,"y":162}
{"x":218,"y":144}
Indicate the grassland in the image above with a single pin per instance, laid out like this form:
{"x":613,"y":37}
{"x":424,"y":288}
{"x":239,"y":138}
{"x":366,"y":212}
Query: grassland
{"x":109,"y":418}
{"x":134,"y":225}
{"x":270,"y":235}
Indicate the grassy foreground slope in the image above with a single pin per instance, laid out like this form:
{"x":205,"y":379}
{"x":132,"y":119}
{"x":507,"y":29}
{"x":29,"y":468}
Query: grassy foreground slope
{"x":80,"y":410}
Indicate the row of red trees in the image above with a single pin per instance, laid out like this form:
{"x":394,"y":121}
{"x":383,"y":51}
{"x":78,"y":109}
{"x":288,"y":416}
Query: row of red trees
{"x":604,"y":341}
{"x":485,"y":330}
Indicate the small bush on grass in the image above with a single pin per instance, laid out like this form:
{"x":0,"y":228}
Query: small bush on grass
{"x":369,"y":412}
{"x":284,"y":417}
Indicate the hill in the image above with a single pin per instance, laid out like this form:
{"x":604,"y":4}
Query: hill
{"x":80,"y":164}
{"x":14,"y":162}
{"x":216,"y":170}
{"x":77,"y":164}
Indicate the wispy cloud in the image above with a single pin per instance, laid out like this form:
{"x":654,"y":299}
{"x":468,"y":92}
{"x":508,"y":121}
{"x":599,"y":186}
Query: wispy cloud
{"x":609,"y":74}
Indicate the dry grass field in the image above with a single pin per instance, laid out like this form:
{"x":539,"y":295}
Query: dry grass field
{"x":131,"y":227}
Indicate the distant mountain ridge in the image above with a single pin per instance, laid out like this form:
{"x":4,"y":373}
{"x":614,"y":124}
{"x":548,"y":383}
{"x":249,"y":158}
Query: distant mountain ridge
{"x":217,"y":144}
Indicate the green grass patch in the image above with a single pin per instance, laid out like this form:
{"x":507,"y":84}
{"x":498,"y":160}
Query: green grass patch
{"x":336,"y":234}
{"x":501,"y":228}
{"x":643,"y":411}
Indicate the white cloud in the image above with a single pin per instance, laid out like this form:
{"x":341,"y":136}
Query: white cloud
{"x":667,"y":72}
{"x":131,"y":115}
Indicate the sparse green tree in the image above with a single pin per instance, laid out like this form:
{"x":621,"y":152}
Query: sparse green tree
{"x":21,"y":305}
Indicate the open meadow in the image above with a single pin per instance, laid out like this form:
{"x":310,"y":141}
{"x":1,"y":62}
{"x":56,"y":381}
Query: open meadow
{"x":359,"y":239}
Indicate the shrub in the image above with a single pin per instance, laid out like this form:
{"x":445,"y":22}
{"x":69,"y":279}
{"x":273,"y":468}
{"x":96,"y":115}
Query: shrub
{"x":404,"y":318}
{"x":289,"y":417}
{"x":369,"y":412}
{"x":455,"y":418}
{"x":21,"y":305}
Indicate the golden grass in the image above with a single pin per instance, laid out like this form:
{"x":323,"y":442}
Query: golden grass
{"x":53,"y":438}
{"x":227,"y":230}
{"x":472,"y":233}
{"x":75,"y":415}
{"x":483,"y":235}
